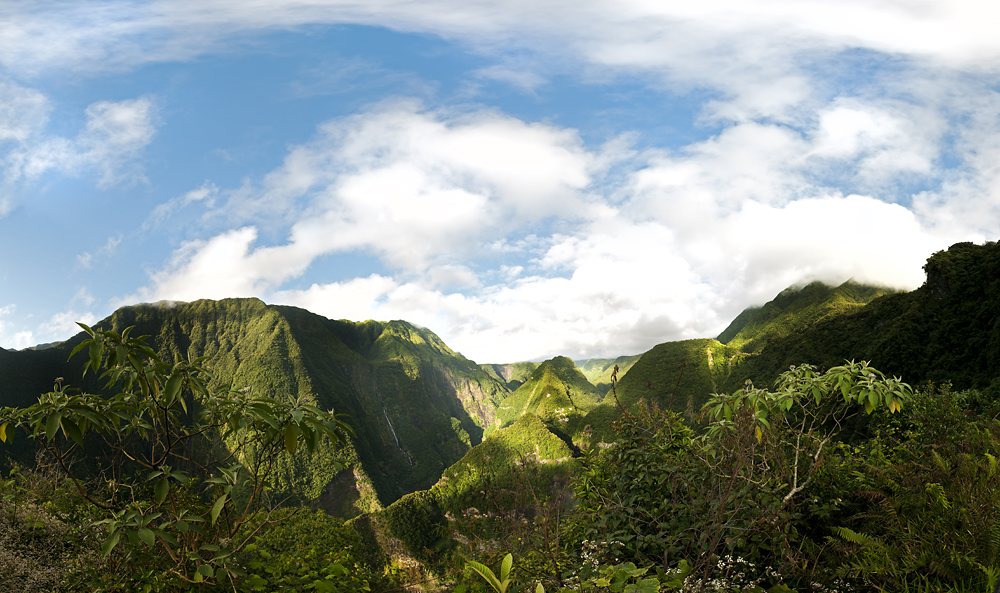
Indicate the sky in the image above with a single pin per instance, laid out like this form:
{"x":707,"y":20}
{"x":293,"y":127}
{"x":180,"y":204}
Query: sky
{"x":527,"y":179}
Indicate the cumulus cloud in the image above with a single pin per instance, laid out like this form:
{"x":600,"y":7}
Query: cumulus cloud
{"x":114,"y":135}
{"x":110,"y":144}
{"x":63,"y":324}
{"x":18,"y":339}
{"x":204,"y":194}
{"x":23,"y":112}
{"x":416,"y":187}
{"x":671,"y":246}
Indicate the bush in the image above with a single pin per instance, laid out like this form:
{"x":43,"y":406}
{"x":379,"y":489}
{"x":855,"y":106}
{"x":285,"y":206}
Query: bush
{"x":306,"y":552}
{"x":187,"y":463}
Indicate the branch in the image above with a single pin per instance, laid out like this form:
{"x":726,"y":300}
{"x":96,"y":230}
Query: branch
{"x":62,"y":463}
{"x":796,"y":487}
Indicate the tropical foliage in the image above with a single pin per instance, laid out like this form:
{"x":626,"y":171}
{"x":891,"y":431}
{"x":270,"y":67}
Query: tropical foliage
{"x":182,"y":467}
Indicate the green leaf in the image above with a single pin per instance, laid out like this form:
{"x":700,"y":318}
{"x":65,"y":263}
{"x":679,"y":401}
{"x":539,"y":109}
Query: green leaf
{"x":166,"y":537}
{"x":505,"y":566}
{"x":291,"y":434}
{"x":71,"y":430}
{"x":96,"y":349}
{"x":110,"y":543}
{"x":173,"y":388}
{"x":147,"y":537}
{"x":486,"y":573}
{"x":162,"y":489}
{"x":206,"y":570}
{"x":52,"y":425}
{"x":78,"y":348}
{"x":217,"y":507}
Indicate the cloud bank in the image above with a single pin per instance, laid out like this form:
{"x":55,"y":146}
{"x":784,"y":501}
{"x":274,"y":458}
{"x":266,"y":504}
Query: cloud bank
{"x":515,"y":240}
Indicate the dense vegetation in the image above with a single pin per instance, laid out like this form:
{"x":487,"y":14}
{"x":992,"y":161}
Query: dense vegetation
{"x":424,"y":404}
{"x":710,"y":465}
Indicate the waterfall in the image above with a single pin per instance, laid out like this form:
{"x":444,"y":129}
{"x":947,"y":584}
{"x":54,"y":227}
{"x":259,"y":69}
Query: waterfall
{"x":396,"y":438}
{"x":399,"y":445}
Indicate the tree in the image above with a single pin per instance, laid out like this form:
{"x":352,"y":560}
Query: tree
{"x":725,"y":500}
{"x":184,"y":461}
{"x":806,"y":411}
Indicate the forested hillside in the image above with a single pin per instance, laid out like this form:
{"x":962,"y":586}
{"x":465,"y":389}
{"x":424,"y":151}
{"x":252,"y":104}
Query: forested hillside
{"x":417,"y":404}
{"x":948,"y":330}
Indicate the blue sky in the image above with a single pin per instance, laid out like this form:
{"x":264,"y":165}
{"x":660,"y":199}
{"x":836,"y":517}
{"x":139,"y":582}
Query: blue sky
{"x":527,"y":179}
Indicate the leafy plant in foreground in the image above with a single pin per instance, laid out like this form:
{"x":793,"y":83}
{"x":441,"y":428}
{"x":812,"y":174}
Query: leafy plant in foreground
{"x":186,"y":465}
{"x":668,"y":494}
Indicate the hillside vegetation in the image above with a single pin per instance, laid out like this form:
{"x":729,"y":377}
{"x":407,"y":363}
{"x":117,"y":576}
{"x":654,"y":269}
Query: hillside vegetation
{"x":421,"y":404}
{"x":599,"y":370}
{"x":948,"y":330}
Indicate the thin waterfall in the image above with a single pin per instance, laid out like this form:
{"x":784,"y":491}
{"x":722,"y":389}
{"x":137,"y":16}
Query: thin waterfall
{"x":399,"y":445}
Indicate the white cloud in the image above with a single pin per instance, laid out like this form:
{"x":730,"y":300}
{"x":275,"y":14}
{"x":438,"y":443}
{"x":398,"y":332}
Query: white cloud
{"x":23,"y":339}
{"x":758,"y":54}
{"x":882,"y":142}
{"x":673,"y":250}
{"x":520,"y":76}
{"x":205,"y":194}
{"x":86,"y":259}
{"x":115,"y":134}
{"x":111,"y":142}
{"x":23,"y":112}
{"x":20,"y":339}
{"x":418,"y":187}
{"x":63,"y":325}
{"x":795,"y":185}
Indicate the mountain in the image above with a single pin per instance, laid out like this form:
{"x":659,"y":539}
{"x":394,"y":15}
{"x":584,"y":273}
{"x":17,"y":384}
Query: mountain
{"x":599,"y":370}
{"x":512,"y":375}
{"x":417,"y":406}
{"x":682,"y":375}
{"x":948,"y":330}
{"x":556,"y":392}
{"x":794,"y":310}
{"x":492,"y":475}
{"x":677,"y":375}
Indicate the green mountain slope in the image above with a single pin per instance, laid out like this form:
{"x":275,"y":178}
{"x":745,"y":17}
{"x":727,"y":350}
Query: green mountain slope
{"x":795,"y":309}
{"x":677,"y":375}
{"x":946,"y":330}
{"x":598,"y":370}
{"x":416,"y":405}
{"x":491,"y":476}
{"x":557,"y":392}
{"x":512,"y":375}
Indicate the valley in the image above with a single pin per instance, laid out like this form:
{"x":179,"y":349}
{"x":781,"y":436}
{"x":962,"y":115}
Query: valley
{"x":436,"y":434}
